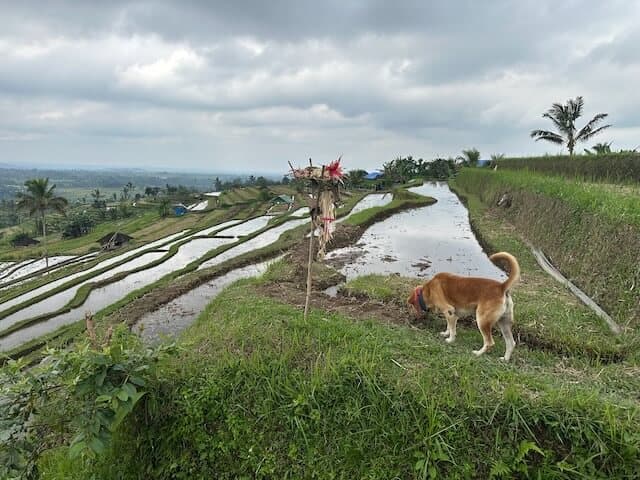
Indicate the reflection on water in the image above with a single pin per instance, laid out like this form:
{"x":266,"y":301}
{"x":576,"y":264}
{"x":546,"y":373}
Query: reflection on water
{"x":259,"y":241}
{"x":132,"y":254}
{"x":370,"y":201}
{"x":419,"y":242}
{"x":175,"y":316}
{"x":59,"y":300}
{"x":102,"y":297}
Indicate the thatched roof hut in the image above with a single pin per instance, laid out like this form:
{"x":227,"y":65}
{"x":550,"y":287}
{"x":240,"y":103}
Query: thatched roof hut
{"x":114,"y":240}
{"x":23,"y":240}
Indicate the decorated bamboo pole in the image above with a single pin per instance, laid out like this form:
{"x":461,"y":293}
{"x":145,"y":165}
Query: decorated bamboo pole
{"x":321,"y":209}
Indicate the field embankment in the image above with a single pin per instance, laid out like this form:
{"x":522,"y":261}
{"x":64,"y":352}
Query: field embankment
{"x":257,"y":392}
{"x":590,"y":233}
{"x":612,"y":167}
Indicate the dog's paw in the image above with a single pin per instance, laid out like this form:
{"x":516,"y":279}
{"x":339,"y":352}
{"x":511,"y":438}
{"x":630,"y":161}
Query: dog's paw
{"x":445,"y":333}
{"x":477,"y":353}
{"x":504,"y":359}
{"x":449,"y":339}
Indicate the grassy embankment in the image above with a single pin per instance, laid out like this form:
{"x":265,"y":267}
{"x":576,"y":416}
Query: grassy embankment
{"x":259,"y":393}
{"x":621,"y":168}
{"x":591,"y":233}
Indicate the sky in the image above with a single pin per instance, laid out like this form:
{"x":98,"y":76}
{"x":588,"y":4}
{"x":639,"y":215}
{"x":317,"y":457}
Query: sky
{"x":246,"y":86}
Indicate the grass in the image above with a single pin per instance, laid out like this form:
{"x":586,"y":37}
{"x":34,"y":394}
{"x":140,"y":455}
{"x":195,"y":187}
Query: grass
{"x":591,"y":234}
{"x":587,"y":197}
{"x":81,"y":245}
{"x":613,"y":167}
{"x":257,"y":392}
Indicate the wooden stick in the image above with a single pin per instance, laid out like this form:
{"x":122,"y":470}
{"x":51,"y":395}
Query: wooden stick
{"x":306,"y":302}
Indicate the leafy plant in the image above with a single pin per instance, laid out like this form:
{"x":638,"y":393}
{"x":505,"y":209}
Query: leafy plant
{"x":78,"y":396}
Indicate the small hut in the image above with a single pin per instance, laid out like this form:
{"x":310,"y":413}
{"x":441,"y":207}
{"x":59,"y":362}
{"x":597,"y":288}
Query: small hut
{"x":282,"y":200}
{"x":23,"y":240}
{"x":114,"y":240}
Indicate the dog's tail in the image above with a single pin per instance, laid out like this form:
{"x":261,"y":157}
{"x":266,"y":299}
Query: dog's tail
{"x":514,"y":268}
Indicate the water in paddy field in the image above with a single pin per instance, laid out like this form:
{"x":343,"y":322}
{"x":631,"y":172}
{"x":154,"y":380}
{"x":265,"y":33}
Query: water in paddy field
{"x":371,"y":200}
{"x":60,"y":299}
{"x":17,"y":277}
{"x":170,"y":319}
{"x":262,"y":240}
{"x":102,"y":297}
{"x":419,"y":243}
{"x":131,"y":254}
{"x":301,"y":212}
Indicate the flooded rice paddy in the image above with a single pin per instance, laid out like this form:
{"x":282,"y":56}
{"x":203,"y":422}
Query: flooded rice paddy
{"x":175,"y":316}
{"x":104,"y":296}
{"x":419,"y":242}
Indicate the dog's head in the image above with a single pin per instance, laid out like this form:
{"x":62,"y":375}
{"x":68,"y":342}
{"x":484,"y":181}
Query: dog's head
{"x":417,"y":301}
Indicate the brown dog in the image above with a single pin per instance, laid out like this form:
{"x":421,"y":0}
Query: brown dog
{"x":454,"y":296}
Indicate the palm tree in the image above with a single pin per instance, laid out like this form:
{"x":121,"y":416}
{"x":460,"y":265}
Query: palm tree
{"x":601,"y":148}
{"x":564,"y":118}
{"x":38,"y":200}
{"x":470,"y":156}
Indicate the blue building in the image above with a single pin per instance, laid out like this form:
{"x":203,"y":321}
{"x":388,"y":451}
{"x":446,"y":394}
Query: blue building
{"x":179,"y":209}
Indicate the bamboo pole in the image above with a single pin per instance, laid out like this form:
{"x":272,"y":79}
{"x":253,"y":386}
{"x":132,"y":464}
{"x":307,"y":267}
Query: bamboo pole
{"x":316,"y":197}
{"x":309,"y":263}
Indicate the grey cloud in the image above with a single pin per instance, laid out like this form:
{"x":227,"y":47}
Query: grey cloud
{"x":251,"y":77}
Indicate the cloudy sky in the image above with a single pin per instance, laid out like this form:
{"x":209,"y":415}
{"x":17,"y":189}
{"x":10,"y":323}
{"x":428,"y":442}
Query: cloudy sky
{"x":249,"y":85}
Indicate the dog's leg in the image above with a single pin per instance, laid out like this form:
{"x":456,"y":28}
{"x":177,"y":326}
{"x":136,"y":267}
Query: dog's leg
{"x":452,"y":321}
{"x":485,"y":322}
{"x":506,"y":323}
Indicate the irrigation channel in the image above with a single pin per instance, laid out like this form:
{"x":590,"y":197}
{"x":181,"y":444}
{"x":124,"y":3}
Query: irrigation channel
{"x":419,"y":242}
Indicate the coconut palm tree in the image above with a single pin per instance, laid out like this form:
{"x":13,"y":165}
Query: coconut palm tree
{"x":564,"y":118}
{"x":601,"y":148}
{"x":38,"y":200}
{"x":470,"y":156}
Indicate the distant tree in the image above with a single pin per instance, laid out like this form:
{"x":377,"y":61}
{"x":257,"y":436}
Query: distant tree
{"x":470,"y":156}
{"x":264,"y":194}
{"x":285,"y":180}
{"x":564,"y":118}
{"x":355,"y":178}
{"x":39,"y":199}
{"x":251,"y":180}
{"x":261,"y":182}
{"x":399,"y":170}
{"x":217,"y":185}
{"x":79,"y":224}
{"x":441,"y":169}
{"x":164,"y":207}
{"x":151,"y":192}
{"x":599,"y":149}
{"x":115,"y":196}
{"x":496,"y":157}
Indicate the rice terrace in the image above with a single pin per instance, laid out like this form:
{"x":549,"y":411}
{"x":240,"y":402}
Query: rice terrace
{"x":185,"y":293}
